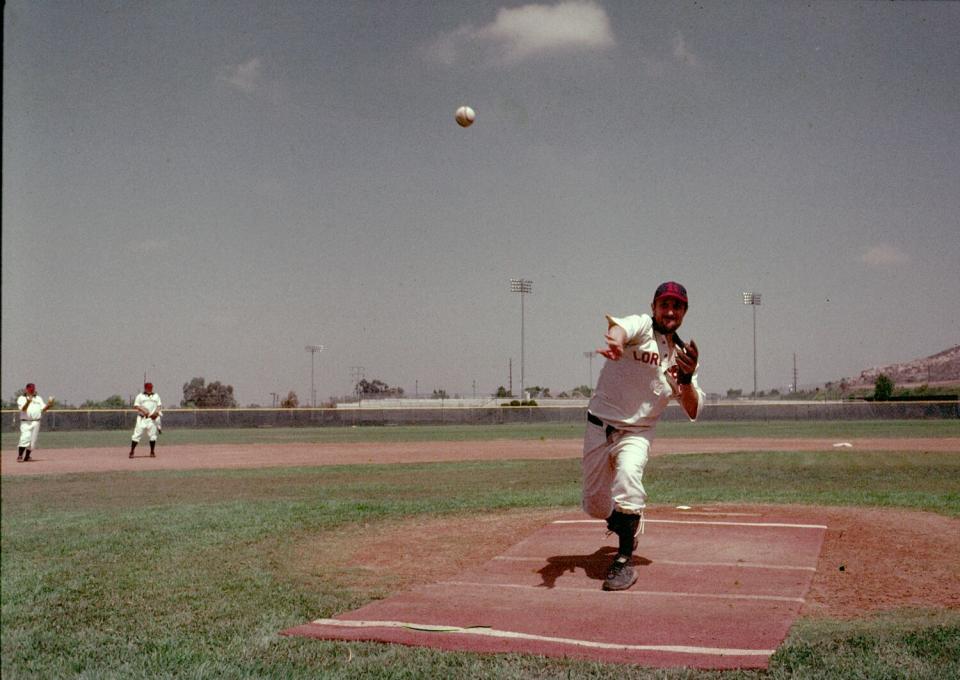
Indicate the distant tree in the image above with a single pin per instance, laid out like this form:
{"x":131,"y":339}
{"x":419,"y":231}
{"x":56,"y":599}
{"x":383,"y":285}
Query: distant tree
{"x":114,"y":401}
{"x":440,"y":394}
{"x":198,"y":394}
{"x":734,"y":394}
{"x":377,"y":388}
{"x":503,"y":392}
{"x":584,"y":391}
{"x":291,"y":401}
{"x":193,"y":392}
{"x":882,"y":388}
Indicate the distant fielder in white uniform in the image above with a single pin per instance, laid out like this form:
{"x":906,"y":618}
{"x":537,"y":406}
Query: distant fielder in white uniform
{"x":32,"y":407}
{"x":148,"y":408}
{"x":647,"y":366}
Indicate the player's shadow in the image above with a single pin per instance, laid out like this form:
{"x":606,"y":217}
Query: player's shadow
{"x":594,"y":565}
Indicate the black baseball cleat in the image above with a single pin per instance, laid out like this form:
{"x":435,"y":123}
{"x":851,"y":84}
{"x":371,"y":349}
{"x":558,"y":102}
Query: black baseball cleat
{"x":621,"y":574}
{"x":20,"y":458}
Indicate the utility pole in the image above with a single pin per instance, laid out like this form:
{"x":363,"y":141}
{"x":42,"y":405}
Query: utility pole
{"x":524,"y":287}
{"x":313,"y":349}
{"x":796,"y":385}
{"x":356,"y":373}
{"x":589,"y":355}
{"x":753,"y":299}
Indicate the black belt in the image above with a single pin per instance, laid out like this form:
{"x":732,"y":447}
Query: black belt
{"x":610,"y":429}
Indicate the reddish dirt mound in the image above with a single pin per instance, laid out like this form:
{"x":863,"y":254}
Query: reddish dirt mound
{"x":871,"y":560}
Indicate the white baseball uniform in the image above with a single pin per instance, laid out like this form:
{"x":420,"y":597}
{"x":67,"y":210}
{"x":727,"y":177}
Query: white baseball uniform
{"x":630,"y":396}
{"x":30,"y":420}
{"x":151,"y":404}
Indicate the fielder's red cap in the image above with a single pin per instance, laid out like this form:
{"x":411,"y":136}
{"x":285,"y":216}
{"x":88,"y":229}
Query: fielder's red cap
{"x":30,"y":386}
{"x":148,"y":386}
{"x":671,"y":289}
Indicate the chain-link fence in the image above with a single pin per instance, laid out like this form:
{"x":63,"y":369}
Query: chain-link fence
{"x":340,"y":417}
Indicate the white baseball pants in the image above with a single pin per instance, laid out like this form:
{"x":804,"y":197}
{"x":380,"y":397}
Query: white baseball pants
{"x":613,"y":471}
{"x":29,"y":429}
{"x":145,"y":425}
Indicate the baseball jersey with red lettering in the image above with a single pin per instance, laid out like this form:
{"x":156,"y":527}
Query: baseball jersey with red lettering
{"x":633,"y":391}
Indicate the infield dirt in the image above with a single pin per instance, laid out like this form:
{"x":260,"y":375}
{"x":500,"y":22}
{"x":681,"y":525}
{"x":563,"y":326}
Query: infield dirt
{"x":223,"y":456}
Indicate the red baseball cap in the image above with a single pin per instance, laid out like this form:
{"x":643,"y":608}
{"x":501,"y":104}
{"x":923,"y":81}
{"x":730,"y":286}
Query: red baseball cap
{"x":148,"y":386}
{"x":671,"y":289}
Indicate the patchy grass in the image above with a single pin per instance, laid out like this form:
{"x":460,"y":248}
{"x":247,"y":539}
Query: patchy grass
{"x":191,"y":574}
{"x":412,"y":433}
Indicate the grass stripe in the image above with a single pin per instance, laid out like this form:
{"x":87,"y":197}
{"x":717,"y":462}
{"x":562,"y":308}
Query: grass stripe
{"x":411,"y":433}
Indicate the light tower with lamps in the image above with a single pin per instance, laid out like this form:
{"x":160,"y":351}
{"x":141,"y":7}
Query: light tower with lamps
{"x":313,"y":349}
{"x":589,"y":355}
{"x":753,"y":299}
{"x":524,"y":287}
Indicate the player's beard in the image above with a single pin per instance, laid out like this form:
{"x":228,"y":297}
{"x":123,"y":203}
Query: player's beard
{"x":659,"y":328}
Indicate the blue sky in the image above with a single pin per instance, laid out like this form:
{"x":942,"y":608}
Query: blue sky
{"x":203,"y":189}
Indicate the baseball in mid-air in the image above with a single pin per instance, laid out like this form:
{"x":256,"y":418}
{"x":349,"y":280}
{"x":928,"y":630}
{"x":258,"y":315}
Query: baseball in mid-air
{"x":465,"y":116}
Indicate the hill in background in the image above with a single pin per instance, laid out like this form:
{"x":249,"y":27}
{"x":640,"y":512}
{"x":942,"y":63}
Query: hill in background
{"x":942,"y":368}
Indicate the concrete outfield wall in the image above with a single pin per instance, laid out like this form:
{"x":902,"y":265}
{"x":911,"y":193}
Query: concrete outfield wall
{"x":306,"y":417}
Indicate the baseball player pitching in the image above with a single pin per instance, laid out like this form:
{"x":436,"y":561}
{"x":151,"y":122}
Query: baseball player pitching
{"x":32,"y":407}
{"x":647,"y":366}
{"x":148,"y":408}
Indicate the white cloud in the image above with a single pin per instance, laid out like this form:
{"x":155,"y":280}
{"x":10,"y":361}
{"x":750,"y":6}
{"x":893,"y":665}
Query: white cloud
{"x":519,"y":33}
{"x":682,"y":53}
{"x":884,"y":254}
{"x":246,"y":76}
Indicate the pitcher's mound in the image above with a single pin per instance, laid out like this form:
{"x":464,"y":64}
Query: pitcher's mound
{"x":715,"y":591}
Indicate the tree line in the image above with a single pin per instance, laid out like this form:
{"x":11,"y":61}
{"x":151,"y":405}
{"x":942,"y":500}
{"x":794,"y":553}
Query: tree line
{"x":198,"y":393}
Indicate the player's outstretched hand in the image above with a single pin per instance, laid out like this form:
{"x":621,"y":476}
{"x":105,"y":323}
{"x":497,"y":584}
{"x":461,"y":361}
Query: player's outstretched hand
{"x":614,"y":349}
{"x":687,"y":358}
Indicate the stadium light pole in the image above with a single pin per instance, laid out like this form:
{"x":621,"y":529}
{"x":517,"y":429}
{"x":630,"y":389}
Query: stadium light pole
{"x":524,"y":287}
{"x":753,"y":299}
{"x":313,"y":349}
{"x":589,"y":355}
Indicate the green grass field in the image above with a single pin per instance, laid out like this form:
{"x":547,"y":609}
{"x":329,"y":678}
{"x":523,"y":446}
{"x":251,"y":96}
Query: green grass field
{"x":188,"y":574}
{"x":408,"y":433}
